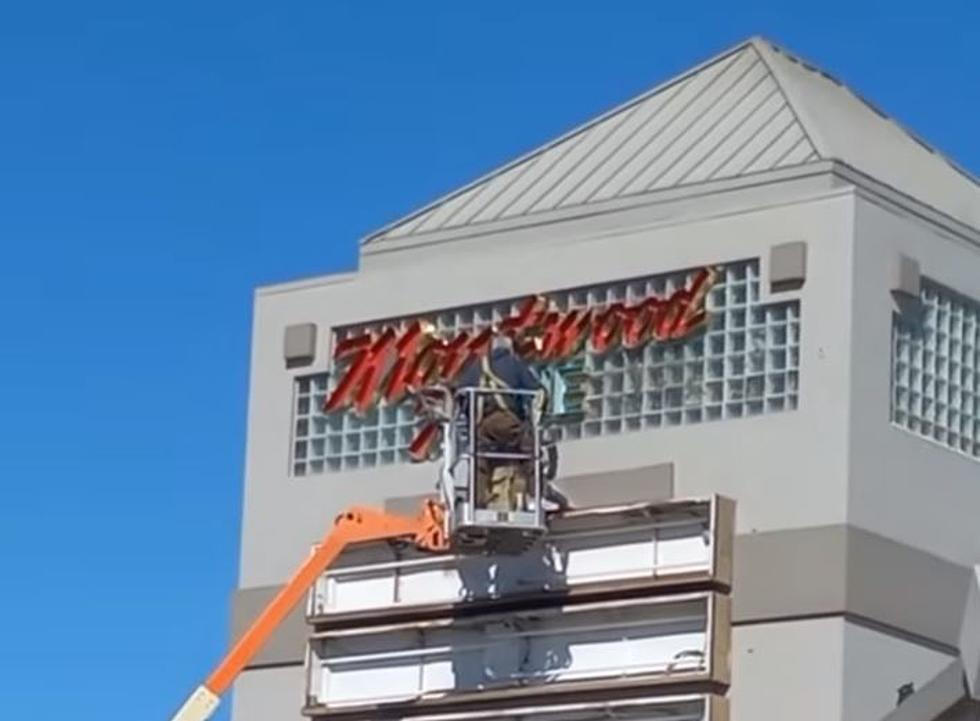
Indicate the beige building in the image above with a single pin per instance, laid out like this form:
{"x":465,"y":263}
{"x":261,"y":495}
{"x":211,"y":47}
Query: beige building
{"x":833,"y":392}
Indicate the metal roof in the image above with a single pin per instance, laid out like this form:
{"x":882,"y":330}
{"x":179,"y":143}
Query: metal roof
{"x":754,"y":108}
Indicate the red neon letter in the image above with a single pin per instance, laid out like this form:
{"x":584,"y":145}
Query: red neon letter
{"x":420,"y":448}
{"x":425,"y":368}
{"x":685,"y":309}
{"x":637,"y":320}
{"x":461,"y":350}
{"x":398,"y":380}
{"x":564,"y":336}
{"x":360,"y":381}
{"x":528,"y":316}
{"x":606,"y":327}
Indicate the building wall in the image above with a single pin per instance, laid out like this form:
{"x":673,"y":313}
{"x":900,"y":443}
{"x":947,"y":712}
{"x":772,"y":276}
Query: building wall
{"x":820,"y":669}
{"x":903,"y":486}
{"x":775,"y":666}
{"x":769,"y":463}
{"x":790,"y":670}
{"x":269,"y":694}
{"x":876,"y":665}
{"x":859,"y":519}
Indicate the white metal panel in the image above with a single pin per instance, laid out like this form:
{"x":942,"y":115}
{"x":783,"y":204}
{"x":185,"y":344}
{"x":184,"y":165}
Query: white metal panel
{"x":772,"y":130}
{"x":714,"y":104}
{"x":778,"y":149}
{"x":593,"y":641}
{"x":546,"y":164}
{"x":579,"y":184}
{"x":624,"y":548}
{"x":411,"y":225}
{"x":602,"y":563}
{"x":371,"y":589}
{"x":681,"y":549}
{"x":591,"y":159}
{"x":697,"y":99}
{"x":422,"y":583}
{"x":802,"y":153}
{"x":663,"y":708}
{"x":715,"y":127}
{"x":446,"y":211}
{"x":763,"y":110}
{"x":377,"y":683}
{"x":554,"y":163}
{"x":587,"y":154}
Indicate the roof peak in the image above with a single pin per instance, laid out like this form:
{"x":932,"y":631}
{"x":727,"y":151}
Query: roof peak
{"x":765,"y":46}
{"x":752,"y":108}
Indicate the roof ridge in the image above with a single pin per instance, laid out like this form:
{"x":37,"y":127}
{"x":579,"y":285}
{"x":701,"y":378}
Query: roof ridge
{"x":538,"y":150}
{"x":768,"y":109}
{"x":765,"y":46}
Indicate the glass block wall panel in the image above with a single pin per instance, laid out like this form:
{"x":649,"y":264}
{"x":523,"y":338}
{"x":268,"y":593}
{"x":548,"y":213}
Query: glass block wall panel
{"x":744,"y":363}
{"x":936,"y":370}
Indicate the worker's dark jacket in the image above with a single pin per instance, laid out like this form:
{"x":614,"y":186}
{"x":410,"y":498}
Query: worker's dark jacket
{"x":510,"y":369}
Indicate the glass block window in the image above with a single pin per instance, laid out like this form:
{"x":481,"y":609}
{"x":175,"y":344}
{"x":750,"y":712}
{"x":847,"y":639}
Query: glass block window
{"x":744,"y":363}
{"x":936,"y":370}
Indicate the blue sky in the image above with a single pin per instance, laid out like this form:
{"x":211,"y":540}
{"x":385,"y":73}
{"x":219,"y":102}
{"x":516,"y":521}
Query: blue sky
{"x":160,"y":160}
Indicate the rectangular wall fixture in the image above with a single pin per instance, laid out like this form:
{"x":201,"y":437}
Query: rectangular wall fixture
{"x":589,"y":551}
{"x":908,"y":277}
{"x":787,"y":266}
{"x":299,"y":344}
{"x":530,"y":653}
{"x":624,"y":610}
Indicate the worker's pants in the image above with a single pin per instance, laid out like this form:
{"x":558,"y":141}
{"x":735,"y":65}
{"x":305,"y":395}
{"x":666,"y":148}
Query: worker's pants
{"x":503,"y":483}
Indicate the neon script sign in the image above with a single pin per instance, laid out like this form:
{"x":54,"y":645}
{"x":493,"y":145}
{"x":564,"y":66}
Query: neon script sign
{"x":391,"y":364}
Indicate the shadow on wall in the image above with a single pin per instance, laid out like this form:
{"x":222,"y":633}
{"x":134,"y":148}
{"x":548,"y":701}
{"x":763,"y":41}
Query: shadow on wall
{"x":509,"y":650}
{"x":540,"y":569}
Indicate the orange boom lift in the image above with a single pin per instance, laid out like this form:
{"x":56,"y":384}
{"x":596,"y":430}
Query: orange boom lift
{"x":356,"y":525}
{"x":456,"y":522}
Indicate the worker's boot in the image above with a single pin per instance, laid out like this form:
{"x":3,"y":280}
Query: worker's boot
{"x":555,"y":500}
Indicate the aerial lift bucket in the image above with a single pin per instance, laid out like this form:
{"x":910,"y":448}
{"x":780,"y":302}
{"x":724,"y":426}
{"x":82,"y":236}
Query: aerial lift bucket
{"x":495,"y":490}
{"x":461,"y":520}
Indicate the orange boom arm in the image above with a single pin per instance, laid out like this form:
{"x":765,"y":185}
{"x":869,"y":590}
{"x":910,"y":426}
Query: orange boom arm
{"x":356,"y":525}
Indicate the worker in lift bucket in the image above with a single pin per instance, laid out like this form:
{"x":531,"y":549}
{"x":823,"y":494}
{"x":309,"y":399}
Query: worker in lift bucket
{"x":503,"y":424}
